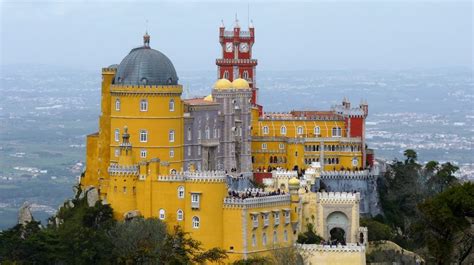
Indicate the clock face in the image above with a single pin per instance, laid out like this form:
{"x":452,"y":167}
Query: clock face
{"x":228,"y":46}
{"x":244,"y":47}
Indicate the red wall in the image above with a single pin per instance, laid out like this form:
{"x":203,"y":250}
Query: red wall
{"x":259,"y":176}
{"x":357,"y":127}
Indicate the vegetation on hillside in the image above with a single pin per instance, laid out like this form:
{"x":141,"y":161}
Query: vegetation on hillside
{"x":425,"y":209}
{"x":80,"y":234}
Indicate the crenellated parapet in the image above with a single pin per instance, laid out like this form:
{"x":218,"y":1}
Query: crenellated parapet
{"x":361,"y":174}
{"x":119,"y":170}
{"x":257,"y":202}
{"x":338,"y":197}
{"x":351,"y":247}
{"x":201,"y":176}
{"x":285,"y":174}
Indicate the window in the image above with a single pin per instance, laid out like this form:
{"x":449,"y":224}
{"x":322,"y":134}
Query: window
{"x":266,"y":219}
{"x":199,"y":134}
{"x":317,"y":130}
{"x":179,"y":215}
{"x":189,"y":150}
{"x":265,"y":130}
{"x":199,"y":150}
{"x":275,"y":237}
{"x":285,"y":236}
{"x":195,"y":200}
{"x":299,"y":130}
{"x":143,"y":153}
{"x":143,"y":136}
{"x":162,"y":214}
{"x":181,"y":192}
{"x":117,"y":152}
{"x":171,"y":153}
{"x":117,"y":135}
{"x":171,"y":136}
{"x":117,"y":104}
{"x":282,"y":146}
{"x":264,"y":239}
{"x":276,"y":216}
{"x":215,"y":133}
{"x":189,"y":134}
{"x":207,"y":133}
{"x":255,"y":221}
{"x":124,"y":189}
{"x":196,"y":222}
{"x":336,"y":132}
{"x":246,"y":75}
{"x":226,"y":75}
{"x":254,"y":240}
{"x":143,"y":105}
{"x":283,"y":130}
{"x":264,"y":146}
{"x":171,"y":105}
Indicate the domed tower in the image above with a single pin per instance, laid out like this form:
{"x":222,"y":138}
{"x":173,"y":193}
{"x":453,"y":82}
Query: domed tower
{"x":141,"y":93}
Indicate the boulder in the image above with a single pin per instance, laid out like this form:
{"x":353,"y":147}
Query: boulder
{"x":92,"y":195}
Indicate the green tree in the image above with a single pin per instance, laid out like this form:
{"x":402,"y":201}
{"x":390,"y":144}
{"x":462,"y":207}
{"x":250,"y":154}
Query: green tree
{"x":411,"y":156}
{"x":442,"y":178}
{"x":309,"y":236}
{"x":377,"y":230}
{"x":180,"y":248}
{"x":444,"y":225}
{"x":138,"y":241}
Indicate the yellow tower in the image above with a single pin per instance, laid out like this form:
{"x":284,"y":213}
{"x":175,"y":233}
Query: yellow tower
{"x":294,"y":186}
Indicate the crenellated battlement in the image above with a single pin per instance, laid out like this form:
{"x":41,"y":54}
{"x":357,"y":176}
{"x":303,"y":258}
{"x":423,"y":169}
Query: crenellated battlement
{"x":338,"y":197}
{"x":201,"y":176}
{"x":116,"y":170}
{"x":280,"y":173}
{"x":361,"y":174}
{"x":351,"y":247}
{"x":289,"y":116}
{"x":255,"y":202}
{"x":109,"y":70}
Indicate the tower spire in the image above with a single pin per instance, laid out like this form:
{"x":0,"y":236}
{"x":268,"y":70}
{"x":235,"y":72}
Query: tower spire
{"x":146,"y":39}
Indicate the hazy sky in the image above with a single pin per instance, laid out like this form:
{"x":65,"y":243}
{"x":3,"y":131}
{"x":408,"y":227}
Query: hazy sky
{"x":289,"y":35}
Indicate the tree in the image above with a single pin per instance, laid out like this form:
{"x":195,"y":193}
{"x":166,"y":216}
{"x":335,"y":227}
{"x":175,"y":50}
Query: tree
{"x":411,"y":156}
{"x":138,"y":241}
{"x":180,"y":248}
{"x":442,"y":178}
{"x":309,"y":237}
{"x":445,"y":226}
{"x":377,"y":230}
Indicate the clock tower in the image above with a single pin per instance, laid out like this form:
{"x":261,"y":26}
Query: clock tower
{"x":236,"y":61}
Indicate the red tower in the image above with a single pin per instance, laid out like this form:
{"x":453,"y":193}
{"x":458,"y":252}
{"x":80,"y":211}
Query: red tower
{"x":236,"y":61}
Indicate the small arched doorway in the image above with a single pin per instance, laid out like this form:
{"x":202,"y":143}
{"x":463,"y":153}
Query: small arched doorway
{"x":338,"y":236}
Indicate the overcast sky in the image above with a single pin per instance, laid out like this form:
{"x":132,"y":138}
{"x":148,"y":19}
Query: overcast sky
{"x":289,"y":36}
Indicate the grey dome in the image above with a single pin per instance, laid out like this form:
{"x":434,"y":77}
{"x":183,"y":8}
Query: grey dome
{"x":146,"y":66}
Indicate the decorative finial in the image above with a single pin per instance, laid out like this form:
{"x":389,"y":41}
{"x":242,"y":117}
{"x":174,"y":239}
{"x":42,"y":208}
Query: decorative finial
{"x":146,"y":39}
{"x":236,"y":22}
{"x":251,"y":24}
{"x":222,"y":23}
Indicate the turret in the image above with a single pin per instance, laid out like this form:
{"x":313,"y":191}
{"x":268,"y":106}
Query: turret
{"x":364,"y":106}
{"x":125,"y":158}
{"x":294,"y":186}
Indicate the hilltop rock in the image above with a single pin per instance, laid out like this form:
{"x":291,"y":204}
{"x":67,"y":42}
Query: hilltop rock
{"x":24,"y":214}
{"x":92,"y":195}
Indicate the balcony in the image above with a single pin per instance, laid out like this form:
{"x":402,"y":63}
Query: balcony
{"x":252,"y":62}
{"x":209,"y":142}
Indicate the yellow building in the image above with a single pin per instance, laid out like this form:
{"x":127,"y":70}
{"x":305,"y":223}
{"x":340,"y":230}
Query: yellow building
{"x":189,"y":162}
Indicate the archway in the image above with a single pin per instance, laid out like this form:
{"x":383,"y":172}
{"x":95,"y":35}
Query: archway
{"x":338,"y":235}
{"x":337,"y":227}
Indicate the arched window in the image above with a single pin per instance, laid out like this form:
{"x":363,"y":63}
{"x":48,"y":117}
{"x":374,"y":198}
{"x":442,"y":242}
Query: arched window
{"x":171,"y":105}
{"x":254,"y":240}
{"x":171,"y":136}
{"x":275,"y":237}
{"x":124,"y":189}
{"x":179,"y":215}
{"x":143,"y":136}
{"x":161,"y":214}
{"x":117,"y":104}
{"x":171,"y":152}
{"x":143,"y":153}
{"x":226,"y":75}
{"x":317,"y":130}
{"x":283,"y":130}
{"x":181,"y":192}
{"x":143,"y":105}
{"x":265,"y":130}
{"x":117,"y":135}
{"x":264,"y":239}
{"x":246,"y":75}
{"x":196,"y":222}
{"x":299,"y":130}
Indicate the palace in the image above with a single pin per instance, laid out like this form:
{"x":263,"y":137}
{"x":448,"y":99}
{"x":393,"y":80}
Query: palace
{"x":192,"y":162}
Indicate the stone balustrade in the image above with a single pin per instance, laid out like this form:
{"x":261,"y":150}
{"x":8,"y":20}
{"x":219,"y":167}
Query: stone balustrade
{"x":209,"y":176}
{"x":115,"y":169}
{"x":360,"y":174}
{"x":351,"y":247}
{"x":280,"y":173}
{"x":263,"y":201}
